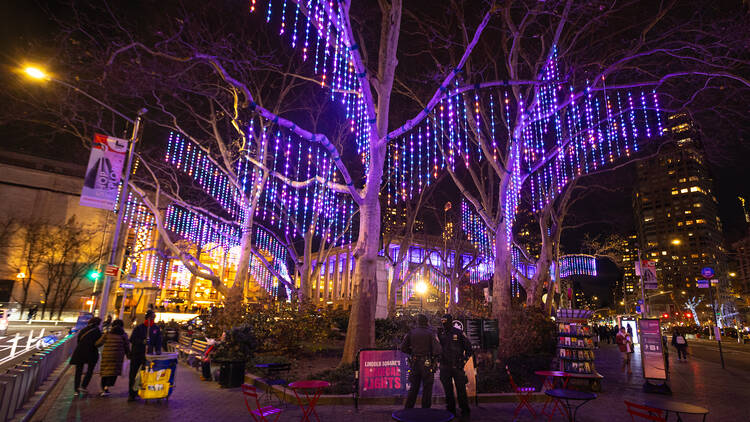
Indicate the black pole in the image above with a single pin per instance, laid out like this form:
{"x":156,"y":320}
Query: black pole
{"x":716,"y":323}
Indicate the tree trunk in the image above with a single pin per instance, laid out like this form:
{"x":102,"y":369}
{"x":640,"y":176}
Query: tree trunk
{"x":361,"y":329}
{"x":243,"y":264}
{"x":501,"y":297}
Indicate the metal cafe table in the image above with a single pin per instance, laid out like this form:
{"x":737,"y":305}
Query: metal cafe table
{"x":563,"y":395}
{"x":676,"y":407}
{"x":314,"y":386}
{"x":422,"y":415}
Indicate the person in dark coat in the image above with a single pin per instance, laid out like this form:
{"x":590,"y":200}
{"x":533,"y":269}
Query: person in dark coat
{"x":115,"y":348}
{"x":456,"y":351}
{"x":679,"y":342}
{"x":423,"y":348}
{"x":86,"y":353}
{"x":145,"y":336}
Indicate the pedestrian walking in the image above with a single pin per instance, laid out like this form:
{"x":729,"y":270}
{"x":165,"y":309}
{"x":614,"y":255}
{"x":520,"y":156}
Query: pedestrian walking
{"x":87,"y":354}
{"x":32,"y":312}
{"x":145,"y":337}
{"x":680,"y":343}
{"x":422,"y":346}
{"x":107,"y":322}
{"x":625,"y":343}
{"x":115,"y":347}
{"x":456,"y":351}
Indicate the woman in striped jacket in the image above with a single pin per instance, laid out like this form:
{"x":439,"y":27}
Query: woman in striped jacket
{"x":116,"y":347}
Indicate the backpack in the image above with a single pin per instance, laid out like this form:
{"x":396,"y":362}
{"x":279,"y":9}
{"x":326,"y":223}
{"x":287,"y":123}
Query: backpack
{"x":680,"y":340}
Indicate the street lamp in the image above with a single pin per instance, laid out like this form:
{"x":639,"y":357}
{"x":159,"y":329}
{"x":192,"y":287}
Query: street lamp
{"x":676,"y":242}
{"x":36,"y":73}
{"x":421,"y":289}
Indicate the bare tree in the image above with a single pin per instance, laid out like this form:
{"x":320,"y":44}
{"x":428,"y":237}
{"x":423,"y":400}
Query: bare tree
{"x":692,"y":306}
{"x":30,"y":257}
{"x":70,"y":251}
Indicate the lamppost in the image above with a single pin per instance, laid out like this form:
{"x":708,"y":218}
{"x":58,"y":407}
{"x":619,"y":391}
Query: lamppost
{"x":421,"y":289}
{"x":39,"y":74}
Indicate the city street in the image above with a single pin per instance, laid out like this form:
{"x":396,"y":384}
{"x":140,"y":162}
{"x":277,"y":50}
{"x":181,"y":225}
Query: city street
{"x":22,"y":329}
{"x":736,"y":356}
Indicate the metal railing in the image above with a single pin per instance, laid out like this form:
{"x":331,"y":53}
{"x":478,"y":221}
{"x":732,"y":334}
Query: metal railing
{"x":19,"y":382}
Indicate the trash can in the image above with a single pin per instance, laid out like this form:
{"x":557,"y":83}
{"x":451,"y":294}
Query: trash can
{"x":231,"y":373}
{"x":157,"y":376}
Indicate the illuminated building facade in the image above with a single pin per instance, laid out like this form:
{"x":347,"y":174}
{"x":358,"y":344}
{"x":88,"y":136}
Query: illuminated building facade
{"x":677,"y":215}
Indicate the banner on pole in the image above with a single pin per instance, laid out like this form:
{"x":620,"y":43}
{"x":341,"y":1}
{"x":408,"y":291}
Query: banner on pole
{"x":103,"y":172}
{"x":648,"y":268}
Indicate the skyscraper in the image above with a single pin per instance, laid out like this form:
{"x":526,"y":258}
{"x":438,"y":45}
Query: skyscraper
{"x":677,"y":217}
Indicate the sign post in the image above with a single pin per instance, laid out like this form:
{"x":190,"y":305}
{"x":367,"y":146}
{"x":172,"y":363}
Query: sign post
{"x":652,"y":355}
{"x":104,"y":299}
{"x":707,"y":273}
{"x":381,"y":373}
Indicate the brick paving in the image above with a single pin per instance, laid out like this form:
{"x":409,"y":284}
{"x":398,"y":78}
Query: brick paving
{"x":725,"y":392}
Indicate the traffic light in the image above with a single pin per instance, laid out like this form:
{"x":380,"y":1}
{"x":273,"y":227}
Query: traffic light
{"x":665,"y":316}
{"x":94,"y":275}
{"x":688,"y":315}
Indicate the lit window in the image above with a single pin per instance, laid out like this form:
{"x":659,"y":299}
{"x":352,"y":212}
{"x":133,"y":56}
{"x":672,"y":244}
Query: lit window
{"x":689,"y":223}
{"x":693,"y":178}
{"x":679,"y":223}
{"x":688,"y":212}
{"x":674,"y":192}
{"x":663,"y":252}
{"x":682,"y":179}
{"x":696,"y":205}
{"x":700,"y":221}
{"x":695,"y":189}
{"x":684,"y":190}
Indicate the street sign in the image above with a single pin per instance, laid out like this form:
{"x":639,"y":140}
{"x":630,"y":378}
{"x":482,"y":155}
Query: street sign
{"x":638,"y":309}
{"x":714,"y":281}
{"x":126,"y":285}
{"x":640,"y":301}
{"x":112,"y":271}
{"x":707,"y":272}
{"x":702,"y":284}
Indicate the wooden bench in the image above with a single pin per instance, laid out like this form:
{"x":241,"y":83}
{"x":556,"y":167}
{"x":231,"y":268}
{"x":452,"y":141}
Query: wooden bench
{"x":197,"y":350}
{"x":183,"y":346}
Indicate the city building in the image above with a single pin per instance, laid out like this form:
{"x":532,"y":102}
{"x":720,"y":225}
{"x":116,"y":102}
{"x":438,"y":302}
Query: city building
{"x":677,"y":217}
{"x":37,"y":191}
{"x":626,"y":291}
{"x":741,"y":277}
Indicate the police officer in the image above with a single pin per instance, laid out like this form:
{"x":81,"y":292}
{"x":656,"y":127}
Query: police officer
{"x":456,"y":352}
{"x":422,"y":346}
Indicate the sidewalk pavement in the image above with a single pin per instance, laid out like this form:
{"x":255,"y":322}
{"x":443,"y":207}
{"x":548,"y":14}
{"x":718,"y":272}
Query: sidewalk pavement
{"x":724,"y":392}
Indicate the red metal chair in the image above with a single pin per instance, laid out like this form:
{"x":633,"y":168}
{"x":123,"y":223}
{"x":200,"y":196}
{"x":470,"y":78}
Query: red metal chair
{"x":260,"y":413}
{"x":645,"y":412}
{"x":523,"y":394}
